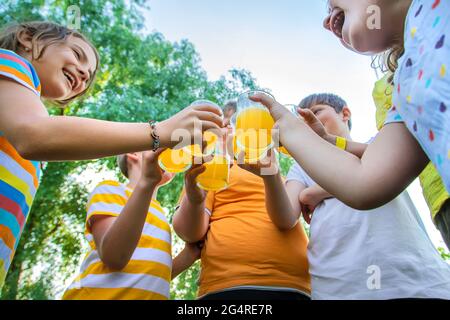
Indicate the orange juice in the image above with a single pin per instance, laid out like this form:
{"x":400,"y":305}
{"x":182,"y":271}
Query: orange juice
{"x":216,"y":175}
{"x":174,"y":161}
{"x":195,"y":150}
{"x":284,"y":151}
{"x":254,"y":131}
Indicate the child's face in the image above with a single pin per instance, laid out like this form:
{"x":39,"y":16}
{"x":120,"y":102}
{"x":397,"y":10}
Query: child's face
{"x":65,"y":69}
{"x":334,"y":123}
{"x":352,"y":22}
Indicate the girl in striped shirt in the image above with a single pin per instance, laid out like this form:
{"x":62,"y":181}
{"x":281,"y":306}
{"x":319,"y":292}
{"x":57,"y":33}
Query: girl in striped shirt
{"x":45,"y":60}
{"x":130,"y":254}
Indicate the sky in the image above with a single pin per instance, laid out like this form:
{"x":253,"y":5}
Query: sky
{"x":287,"y":50}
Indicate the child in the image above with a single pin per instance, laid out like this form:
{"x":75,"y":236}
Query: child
{"x":129,"y":236}
{"x":42,"y":59}
{"x":434,"y":192}
{"x":383,"y":253}
{"x":229,"y":110}
{"x":245,"y":256}
{"x":421,"y":98}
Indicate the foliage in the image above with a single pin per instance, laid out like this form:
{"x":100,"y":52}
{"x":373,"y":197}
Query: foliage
{"x":444,"y":254}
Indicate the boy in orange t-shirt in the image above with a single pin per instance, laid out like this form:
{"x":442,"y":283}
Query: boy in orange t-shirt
{"x":245,"y":256}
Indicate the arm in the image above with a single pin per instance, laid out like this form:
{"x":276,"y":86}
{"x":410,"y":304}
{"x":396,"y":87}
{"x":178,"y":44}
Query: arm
{"x":310,"y":118}
{"x":117,"y":237}
{"x":387,"y":167}
{"x":279,"y":207}
{"x":37,"y":136}
{"x":355,"y":148}
{"x":191,"y":222}
{"x":309,"y":198}
{"x":186,"y":258}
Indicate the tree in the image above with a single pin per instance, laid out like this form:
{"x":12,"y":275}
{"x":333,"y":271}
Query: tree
{"x":142,"y":76}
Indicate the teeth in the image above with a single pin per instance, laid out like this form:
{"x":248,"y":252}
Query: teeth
{"x":69,"y":77}
{"x":338,"y":23}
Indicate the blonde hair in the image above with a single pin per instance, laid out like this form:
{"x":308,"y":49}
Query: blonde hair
{"x":44,"y":34}
{"x":387,"y":62}
{"x":122,"y":163}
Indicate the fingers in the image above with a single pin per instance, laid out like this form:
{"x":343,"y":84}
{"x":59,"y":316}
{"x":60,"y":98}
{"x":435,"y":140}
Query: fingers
{"x":265,"y":99}
{"x":276,"y":109}
{"x":210,"y":108}
{"x":152,"y":156}
{"x":158,"y":152}
{"x":308,"y":115}
{"x":208,"y":125}
{"x":210,"y":117}
{"x":194,"y":172}
{"x":306,"y":213}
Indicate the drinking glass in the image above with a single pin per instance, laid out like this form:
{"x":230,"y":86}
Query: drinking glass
{"x":253,"y":127}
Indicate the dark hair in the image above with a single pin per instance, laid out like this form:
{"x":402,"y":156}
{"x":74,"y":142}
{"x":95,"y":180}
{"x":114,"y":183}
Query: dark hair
{"x":122,"y":163}
{"x":329,"y":99}
{"x":42,"y":35}
{"x":230,"y":105}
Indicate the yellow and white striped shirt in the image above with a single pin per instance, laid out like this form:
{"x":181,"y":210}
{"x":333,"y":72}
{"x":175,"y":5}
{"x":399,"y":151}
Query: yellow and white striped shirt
{"x":147,"y":274}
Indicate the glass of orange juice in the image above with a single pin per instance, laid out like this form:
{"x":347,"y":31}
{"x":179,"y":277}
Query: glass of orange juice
{"x":175,"y":160}
{"x":197,"y":150}
{"x":292,"y":108}
{"x":217,"y":172}
{"x":253,"y":127}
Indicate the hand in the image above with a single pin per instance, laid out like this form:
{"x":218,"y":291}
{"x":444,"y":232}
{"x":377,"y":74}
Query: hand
{"x":193,"y":120}
{"x":313,"y":122}
{"x":193,"y":193}
{"x":284,"y":119}
{"x":309,"y":199}
{"x":279,"y":112}
{"x":151,"y":172}
{"x":192,"y":251}
{"x":266,"y":167}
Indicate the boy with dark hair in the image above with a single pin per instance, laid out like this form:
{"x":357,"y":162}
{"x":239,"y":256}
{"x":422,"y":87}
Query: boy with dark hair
{"x":382,"y":253}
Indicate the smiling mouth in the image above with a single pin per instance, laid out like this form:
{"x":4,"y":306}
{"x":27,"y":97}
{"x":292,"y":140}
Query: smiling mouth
{"x":337,"y":22}
{"x":70,"y":78}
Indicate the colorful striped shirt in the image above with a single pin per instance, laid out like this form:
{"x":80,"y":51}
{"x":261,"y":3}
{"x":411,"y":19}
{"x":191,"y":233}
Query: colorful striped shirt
{"x":19,"y":178}
{"x":147,"y":275}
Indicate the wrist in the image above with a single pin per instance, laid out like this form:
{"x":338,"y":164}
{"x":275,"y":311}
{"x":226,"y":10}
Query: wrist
{"x":194,"y":200}
{"x":270,"y":178}
{"x":165,"y":135}
{"x":330,"y":139}
{"x":147,"y":183}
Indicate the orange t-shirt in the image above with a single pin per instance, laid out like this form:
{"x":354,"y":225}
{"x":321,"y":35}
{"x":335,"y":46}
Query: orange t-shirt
{"x":244,"y":248}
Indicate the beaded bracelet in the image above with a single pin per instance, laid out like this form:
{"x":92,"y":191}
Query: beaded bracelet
{"x":154,"y":135}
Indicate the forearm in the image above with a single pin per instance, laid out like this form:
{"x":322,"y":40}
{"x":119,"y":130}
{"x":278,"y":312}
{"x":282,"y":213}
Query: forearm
{"x":121,"y":239}
{"x":321,"y":193}
{"x":278,"y":204}
{"x":355,"y":148}
{"x":189,"y":221}
{"x":180,"y":263}
{"x":366,"y":183}
{"x":73,"y":138}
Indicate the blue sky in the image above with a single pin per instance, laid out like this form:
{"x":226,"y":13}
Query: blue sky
{"x":286,"y":48}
